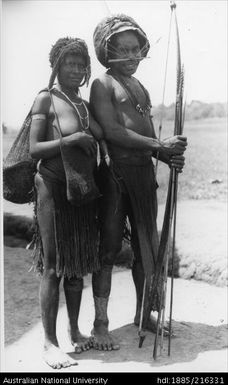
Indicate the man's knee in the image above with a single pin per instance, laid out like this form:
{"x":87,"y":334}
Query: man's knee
{"x":108,"y":255}
{"x":74,"y":283}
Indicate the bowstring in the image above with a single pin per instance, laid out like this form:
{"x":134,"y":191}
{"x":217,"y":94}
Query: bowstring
{"x":164,"y":88}
{"x":156,"y":166}
{"x":164,"y":288}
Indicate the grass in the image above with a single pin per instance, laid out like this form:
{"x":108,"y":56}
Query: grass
{"x":205,"y":172}
{"x":206,"y":162}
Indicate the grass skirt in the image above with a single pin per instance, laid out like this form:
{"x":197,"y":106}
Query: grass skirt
{"x":75,"y":230}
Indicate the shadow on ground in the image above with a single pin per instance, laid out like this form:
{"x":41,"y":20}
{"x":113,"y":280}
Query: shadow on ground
{"x":190,"y":340}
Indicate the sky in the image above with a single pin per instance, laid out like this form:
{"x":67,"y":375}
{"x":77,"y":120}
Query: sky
{"x":31,"y":27}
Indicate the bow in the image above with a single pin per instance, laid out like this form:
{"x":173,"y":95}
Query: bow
{"x":161,"y":269}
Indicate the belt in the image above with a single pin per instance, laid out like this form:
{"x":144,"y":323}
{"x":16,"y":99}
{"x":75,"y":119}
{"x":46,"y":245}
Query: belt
{"x":133,"y":160}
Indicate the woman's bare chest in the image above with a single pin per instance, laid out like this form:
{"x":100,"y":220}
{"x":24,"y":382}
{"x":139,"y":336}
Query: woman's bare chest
{"x":69,"y":117}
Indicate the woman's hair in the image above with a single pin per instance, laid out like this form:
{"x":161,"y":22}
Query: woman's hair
{"x":63,"y":47}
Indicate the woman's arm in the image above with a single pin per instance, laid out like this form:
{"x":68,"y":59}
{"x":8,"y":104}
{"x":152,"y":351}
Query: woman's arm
{"x":39,"y":146}
{"x":98,"y":134}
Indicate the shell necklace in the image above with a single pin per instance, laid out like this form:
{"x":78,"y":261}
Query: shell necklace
{"x":84,"y":120}
{"x":142,"y":110}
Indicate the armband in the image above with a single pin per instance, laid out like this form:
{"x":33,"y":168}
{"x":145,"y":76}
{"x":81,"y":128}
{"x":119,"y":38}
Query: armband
{"x":39,"y":117}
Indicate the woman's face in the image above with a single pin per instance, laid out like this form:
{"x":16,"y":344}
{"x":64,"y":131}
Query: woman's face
{"x":72,"y":71}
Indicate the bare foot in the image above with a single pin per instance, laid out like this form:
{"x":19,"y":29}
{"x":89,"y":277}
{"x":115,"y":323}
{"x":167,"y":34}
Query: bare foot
{"x":80,"y":342}
{"x":56,"y":358}
{"x":102,"y":339}
{"x":152,"y":325}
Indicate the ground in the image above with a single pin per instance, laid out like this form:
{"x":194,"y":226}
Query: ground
{"x":199,"y":311}
{"x":199,"y":322}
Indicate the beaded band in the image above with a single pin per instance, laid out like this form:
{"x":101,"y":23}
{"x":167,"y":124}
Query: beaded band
{"x":39,"y":117}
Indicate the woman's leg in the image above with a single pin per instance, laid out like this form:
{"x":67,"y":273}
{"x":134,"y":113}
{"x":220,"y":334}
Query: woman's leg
{"x":73,"y":292}
{"x":49,"y":286}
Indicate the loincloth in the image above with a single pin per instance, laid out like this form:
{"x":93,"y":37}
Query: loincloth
{"x":137,"y":178}
{"x":75,"y":228}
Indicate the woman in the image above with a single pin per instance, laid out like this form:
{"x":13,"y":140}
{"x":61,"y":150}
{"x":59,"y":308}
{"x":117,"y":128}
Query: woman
{"x":62,"y":135}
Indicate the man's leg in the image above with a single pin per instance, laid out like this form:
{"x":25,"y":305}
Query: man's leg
{"x":73,"y":292}
{"x":112,"y":215}
{"x":49,"y":286}
{"x":137,"y":267}
{"x":138,"y":278}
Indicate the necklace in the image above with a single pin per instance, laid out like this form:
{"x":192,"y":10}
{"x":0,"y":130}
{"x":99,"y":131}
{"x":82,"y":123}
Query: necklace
{"x":142,"y":110}
{"x":84,"y":120}
{"x":78,"y":104}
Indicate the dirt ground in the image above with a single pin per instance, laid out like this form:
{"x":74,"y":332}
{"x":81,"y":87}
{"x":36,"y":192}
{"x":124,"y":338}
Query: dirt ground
{"x":199,"y":311}
{"x":199,"y":324}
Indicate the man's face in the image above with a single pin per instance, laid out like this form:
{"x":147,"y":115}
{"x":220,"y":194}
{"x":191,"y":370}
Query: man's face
{"x":126,"y":47}
{"x":72,"y":71}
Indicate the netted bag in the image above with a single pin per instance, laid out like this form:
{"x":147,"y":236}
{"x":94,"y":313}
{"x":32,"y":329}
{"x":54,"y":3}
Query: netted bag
{"x":19,"y":168}
{"x":79,"y":170}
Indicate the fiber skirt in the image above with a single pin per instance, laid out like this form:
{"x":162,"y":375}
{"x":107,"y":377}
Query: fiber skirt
{"x":72,"y":230}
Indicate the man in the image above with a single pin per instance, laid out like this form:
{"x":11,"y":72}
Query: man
{"x":67,"y":235}
{"x":121,"y":106}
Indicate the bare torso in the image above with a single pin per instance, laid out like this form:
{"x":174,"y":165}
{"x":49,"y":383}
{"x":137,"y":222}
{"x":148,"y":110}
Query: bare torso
{"x":128,"y":116}
{"x":68,"y":118}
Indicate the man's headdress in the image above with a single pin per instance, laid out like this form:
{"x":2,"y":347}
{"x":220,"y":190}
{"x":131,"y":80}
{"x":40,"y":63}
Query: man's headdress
{"x":112,"y":25}
{"x":65,"y":46}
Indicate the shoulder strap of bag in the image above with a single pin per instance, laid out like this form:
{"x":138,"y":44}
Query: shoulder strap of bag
{"x":56,"y":116}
